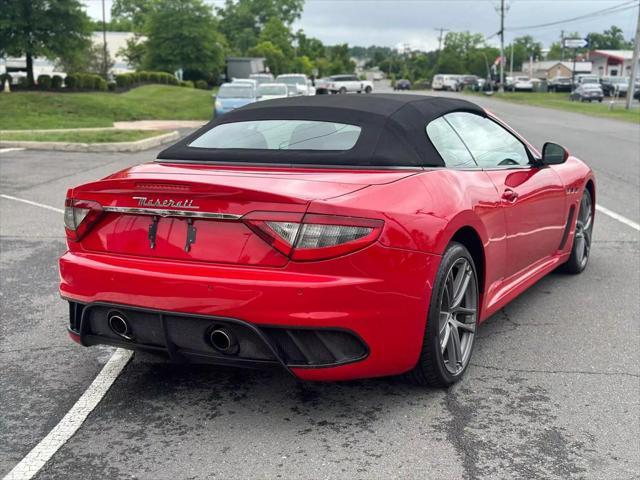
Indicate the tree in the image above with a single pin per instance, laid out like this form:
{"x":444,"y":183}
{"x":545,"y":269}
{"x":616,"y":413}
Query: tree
{"x":243,"y":20}
{"x":278,"y":34}
{"x":131,"y":12}
{"x":522,"y":48}
{"x":134,"y":52}
{"x":275,"y":59}
{"x":42,"y":28}
{"x":183,"y":34}
{"x":611,"y":39}
{"x":89,"y":60}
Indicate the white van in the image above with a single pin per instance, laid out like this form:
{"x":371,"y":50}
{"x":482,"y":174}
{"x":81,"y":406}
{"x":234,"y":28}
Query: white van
{"x":446,"y":82}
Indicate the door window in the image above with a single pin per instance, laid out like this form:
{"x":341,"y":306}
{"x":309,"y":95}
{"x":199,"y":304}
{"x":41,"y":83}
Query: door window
{"x":489,"y":143}
{"x":448,"y":144}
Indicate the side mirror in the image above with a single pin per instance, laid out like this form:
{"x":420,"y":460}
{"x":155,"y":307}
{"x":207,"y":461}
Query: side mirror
{"x":554,"y":154}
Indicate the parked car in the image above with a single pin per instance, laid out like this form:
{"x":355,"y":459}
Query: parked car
{"x":522,"y":84}
{"x":343,"y":84}
{"x":560,"y":84}
{"x":365,"y":270}
{"x":468,"y":81}
{"x":402,"y":84}
{"x":587,"y":92}
{"x":446,"y":82}
{"x":378,"y":76}
{"x":297,"y":83}
{"x":233,"y":95}
{"x":269,"y":91}
{"x":261,"y":78}
{"x":246,"y":81}
{"x":587,"y":78}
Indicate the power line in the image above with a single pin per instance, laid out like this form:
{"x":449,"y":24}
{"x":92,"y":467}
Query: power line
{"x":605,"y":11}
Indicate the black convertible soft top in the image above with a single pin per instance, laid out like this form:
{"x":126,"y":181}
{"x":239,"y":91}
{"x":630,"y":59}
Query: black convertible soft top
{"x":393,"y":130}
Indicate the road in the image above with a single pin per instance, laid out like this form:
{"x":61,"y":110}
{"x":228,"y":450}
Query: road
{"x":553,"y":391}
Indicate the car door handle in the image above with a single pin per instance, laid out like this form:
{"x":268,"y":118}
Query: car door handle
{"x":509,"y":195}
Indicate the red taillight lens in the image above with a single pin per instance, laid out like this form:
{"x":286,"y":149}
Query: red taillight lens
{"x":79,"y":216}
{"x":314,"y":237}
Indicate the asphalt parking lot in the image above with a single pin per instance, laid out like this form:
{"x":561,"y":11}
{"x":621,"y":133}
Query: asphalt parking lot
{"x":553,"y":391}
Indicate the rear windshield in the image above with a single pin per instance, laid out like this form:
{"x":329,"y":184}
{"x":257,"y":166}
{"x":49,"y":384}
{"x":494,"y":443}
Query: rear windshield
{"x":291,"y":80}
{"x":239,"y":90}
{"x":272,"y":90}
{"x":280,"y":135}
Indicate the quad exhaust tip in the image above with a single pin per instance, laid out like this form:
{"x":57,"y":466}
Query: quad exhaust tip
{"x":119,"y":325}
{"x":223,"y":340}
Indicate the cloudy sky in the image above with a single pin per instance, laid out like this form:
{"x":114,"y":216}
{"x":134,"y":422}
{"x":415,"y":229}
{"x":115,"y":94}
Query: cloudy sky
{"x":395,"y":22}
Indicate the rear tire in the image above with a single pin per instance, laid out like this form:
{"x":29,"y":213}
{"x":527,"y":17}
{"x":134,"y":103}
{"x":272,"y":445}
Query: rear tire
{"x":342,"y":91}
{"x":451,"y":322}
{"x":581,"y":248}
{"x":367,"y":90}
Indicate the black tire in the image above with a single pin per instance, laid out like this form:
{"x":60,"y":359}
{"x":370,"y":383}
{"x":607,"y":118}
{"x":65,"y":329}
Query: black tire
{"x":431,"y":368}
{"x":580,"y":252}
{"x":342,"y":90}
{"x":367,"y":90}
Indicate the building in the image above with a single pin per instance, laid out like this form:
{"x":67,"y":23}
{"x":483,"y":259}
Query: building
{"x":115,"y":42}
{"x":551,"y":69}
{"x":612,"y":63}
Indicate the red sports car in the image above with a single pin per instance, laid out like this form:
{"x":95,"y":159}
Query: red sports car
{"x":336,"y":237}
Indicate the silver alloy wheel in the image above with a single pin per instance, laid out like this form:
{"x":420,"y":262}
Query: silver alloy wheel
{"x":584,"y":226}
{"x":458,"y":316}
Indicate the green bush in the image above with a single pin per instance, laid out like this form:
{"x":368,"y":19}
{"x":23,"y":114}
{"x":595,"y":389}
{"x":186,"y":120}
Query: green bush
{"x":101,"y":84}
{"x":23,"y":82}
{"x":71,"y":81}
{"x":144,"y":76}
{"x":202,"y":84}
{"x":186,"y":83}
{"x":122,"y":80}
{"x":44,"y":82}
{"x":111,"y":86}
{"x":56,"y":82}
{"x":154,"y":77}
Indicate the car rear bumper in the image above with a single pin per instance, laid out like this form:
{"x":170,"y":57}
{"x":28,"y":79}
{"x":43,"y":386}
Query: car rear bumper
{"x":378,"y":296}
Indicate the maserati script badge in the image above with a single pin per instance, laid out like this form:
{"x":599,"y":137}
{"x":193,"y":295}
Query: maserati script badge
{"x":169,"y":203}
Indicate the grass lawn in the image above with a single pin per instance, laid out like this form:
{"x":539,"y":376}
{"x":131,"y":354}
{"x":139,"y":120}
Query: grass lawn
{"x":45,"y":110}
{"x":561,"y":101}
{"x":107,"y":136}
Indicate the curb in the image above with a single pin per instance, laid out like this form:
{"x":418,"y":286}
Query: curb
{"x":144,"y":144}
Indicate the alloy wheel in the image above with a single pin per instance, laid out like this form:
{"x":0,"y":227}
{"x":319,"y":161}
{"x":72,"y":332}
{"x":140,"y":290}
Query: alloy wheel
{"x":458,"y":316}
{"x":584,"y":225}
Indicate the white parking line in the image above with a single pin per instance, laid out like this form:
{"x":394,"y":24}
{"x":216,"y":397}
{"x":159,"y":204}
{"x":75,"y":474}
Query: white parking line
{"x":73,"y":420}
{"x":35,"y":204}
{"x":618,"y":217}
{"x":7,"y":150}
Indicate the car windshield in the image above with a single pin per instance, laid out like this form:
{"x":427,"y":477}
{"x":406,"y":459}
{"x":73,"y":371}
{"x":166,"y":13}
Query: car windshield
{"x":280,"y":135}
{"x":589,"y":80}
{"x":235,"y":91}
{"x":591,"y":86}
{"x":619,"y":80}
{"x":291,"y":80}
{"x":272,"y":90}
{"x":261,"y":78}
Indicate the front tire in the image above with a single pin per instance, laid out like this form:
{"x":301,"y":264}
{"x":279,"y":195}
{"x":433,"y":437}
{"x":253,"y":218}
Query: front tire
{"x":581,"y":248}
{"x":451,"y":322}
{"x":367,"y":90}
{"x":342,"y":91}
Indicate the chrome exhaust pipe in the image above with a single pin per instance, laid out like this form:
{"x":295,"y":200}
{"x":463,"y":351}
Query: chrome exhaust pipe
{"x":223,"y":340}
{"x":119,"y":325}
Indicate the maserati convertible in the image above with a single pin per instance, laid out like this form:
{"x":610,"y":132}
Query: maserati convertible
{"x":337,"y":237}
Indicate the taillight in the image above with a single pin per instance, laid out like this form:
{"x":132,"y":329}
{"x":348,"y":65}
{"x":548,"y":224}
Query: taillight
{"x":79,"y":216}
{"x":314,"y":237}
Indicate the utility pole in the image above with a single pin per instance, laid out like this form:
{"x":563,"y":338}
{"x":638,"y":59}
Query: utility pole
{"x":501,"y":46}
{"x":634,"y":65}
{"x":441,"y":36}
{"x":104,"y":41}
{"x":562,"y":45}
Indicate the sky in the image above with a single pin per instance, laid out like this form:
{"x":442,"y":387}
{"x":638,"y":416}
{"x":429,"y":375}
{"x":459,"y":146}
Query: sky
{"x":415,"y":22}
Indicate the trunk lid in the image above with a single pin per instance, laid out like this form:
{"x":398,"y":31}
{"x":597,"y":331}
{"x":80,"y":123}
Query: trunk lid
{"x":193,"y":212}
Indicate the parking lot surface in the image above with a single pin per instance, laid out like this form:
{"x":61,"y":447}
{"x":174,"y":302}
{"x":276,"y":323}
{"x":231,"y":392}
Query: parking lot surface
{"x":553,"y":390}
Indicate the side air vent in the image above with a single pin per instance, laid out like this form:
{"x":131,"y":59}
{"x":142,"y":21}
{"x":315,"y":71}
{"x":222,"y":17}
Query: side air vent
{"x":316,"y":347}
{"x":567,"y":227}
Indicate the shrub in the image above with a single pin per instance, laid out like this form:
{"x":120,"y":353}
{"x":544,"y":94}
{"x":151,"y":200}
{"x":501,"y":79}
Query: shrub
{"x":23,"y":82}
{"x":44,"y":82}
{"x":111,"y":86}
{"x":154,"y":77}
{"x":123,"y":80}
{"x":202,"y":84}
{"x":56,"y":82}
{"x":144,"y":76}
{"x":72,"y":81}
{"x":100,"y":84}
{"x":86,"y":81}
{"x":186,"y":83}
